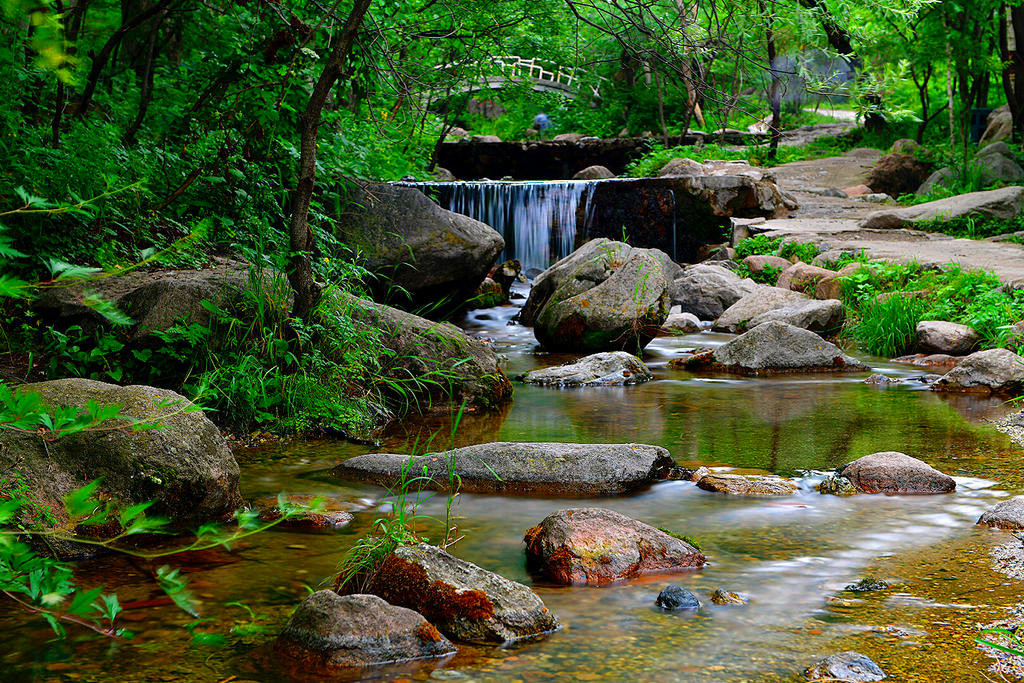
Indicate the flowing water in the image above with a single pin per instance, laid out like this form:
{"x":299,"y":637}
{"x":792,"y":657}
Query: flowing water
{"x":792,"y":556}
{"x":538,"y":219}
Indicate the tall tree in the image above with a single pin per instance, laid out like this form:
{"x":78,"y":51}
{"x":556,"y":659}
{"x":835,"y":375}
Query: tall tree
{"x":300,"y":236}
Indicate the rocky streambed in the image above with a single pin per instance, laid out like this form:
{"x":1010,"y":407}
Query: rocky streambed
{"x":788,"y":557}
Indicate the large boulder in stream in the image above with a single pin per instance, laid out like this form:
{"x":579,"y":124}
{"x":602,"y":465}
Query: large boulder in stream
{"x":597,"y":546}
{"x":600,"y":369}
{"x":550,"y":469}
{"x":996,"y":371}
{"x":329,"y":631}
{"x":419,"y":253}
{"x":450,"y":368}
{"x":706,"y":290}
{"x":605,"y":296}
{"x":891,"y":472}
{"x":184,"y":466}
{"x":776,"y":347}
{"x":464,"y":601}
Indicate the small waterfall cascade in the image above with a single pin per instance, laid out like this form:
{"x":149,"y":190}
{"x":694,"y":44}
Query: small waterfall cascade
{"x":538,"y":219}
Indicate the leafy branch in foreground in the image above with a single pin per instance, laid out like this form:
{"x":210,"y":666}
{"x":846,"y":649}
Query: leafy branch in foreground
{"x":45,"y":586}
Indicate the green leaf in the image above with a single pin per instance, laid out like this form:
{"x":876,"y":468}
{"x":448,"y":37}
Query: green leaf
{"x":80,"y":503}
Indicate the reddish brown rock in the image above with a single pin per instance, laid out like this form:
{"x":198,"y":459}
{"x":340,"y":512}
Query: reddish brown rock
{"x":898,"y":174}
{"x":858,"y":191}
{"x":464,"y":601}
{"x":597,"y":546}
{"x":803,"y":277}
{"x":329,"y":632}
{"x":758,"y":263}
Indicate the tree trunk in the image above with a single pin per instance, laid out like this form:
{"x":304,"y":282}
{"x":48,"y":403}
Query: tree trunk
{"x":774,"y":97}
{"x":1013,"y":66}
{"x":301,"y":237}
{"x":99,"y":61}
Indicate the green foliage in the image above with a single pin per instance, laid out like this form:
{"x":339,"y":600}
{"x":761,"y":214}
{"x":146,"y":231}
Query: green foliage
{"x":45,"y":586}
{"x":886,"y":300}
{"x":800,"y":251}
{"x":758,"y":245}
{"x":887,"y":327}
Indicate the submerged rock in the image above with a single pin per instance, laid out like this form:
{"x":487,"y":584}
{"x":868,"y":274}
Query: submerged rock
{"x":881,"y":380}
{"x":724,"y":597}
{"x":329,"y":631}
{"x":837,"y":486}
{"x":597,"y":546}
{"x":564,"y":469}
{"x":746,"y":485}
{"x":940,"y":336}
{"x":464,"y":601}
{"x":997,"y":371}
{"x":605,"y":296}
{"x":610,"y":368}
{"x":677,"y":598}
{"x":706,"y":290}
{"x":892,"y":472}
{"x":737,"y":317}
{"x":1007,"y":514}
{"x":845,"y":666}
{"x":185,"y":467}
{"x":776,"y":347}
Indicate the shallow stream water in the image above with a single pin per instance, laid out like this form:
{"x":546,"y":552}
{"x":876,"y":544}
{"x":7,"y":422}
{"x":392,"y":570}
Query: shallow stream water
{"x":792,"y":557}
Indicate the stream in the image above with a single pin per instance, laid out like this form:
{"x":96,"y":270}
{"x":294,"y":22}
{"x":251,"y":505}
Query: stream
{"x":792,"y":556}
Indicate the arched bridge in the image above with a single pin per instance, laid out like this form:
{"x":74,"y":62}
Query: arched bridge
{"x":541,"y":75}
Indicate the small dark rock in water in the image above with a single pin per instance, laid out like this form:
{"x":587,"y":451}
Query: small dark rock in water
{"x":881,"y":379}
{"x":837,"y":486}
{"x":867,"y":584}
{"x":676,"y":597}
{"x":724,"y":597}
{"x":845,"y":666}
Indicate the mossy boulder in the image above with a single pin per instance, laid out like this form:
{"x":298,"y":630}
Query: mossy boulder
{"x":605,"y":296}
{"x":435,"y":361}
{"x":419,"y":253}
{"x":464,"y":601}
{"x":185,"y":466}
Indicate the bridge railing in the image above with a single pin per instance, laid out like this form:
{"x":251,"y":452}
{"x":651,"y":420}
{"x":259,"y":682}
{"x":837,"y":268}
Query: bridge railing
{"x":541,"y":71}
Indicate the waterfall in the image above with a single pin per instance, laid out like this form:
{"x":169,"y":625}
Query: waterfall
{"x":539,"y":220}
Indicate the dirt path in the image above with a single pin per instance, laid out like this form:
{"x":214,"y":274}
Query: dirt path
{"x":832,"y":223}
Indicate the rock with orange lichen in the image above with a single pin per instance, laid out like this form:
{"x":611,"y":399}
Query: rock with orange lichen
{"x":329,"y":632}
{"x":597,"y":546}
{"x":464,"y":601}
